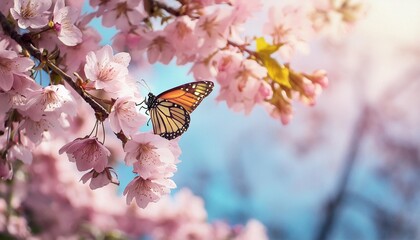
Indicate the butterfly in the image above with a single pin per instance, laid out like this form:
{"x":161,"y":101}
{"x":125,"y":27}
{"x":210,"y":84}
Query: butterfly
{"x":170,"y":111}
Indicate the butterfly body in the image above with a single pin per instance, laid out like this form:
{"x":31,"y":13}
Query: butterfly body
{"x":170,"y":111}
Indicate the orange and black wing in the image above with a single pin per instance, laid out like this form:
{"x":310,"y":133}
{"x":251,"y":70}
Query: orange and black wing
{"x":169,"y":119}
{"x":188,"y":95}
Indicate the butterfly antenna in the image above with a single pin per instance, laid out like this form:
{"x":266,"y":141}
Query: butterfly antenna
{"x":144,"y":84}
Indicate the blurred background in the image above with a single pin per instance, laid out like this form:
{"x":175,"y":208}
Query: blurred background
{"x":347,"y":168}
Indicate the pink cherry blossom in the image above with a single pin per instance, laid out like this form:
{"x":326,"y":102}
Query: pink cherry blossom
{"x":6,"y":171}
{"x":88,"y":153}
{"x":212,"y":29}
{"x":175,"y":148}
{"x":182,"y":35}
{"x":252,"y":230}
{"x":12,"y":67}
{"x":53,"y":99}
{"x":241,"y":83}
{"x":18,"y":226}
{"x":35,"y":130}
{"x":124,"y":14}
{"x":64,"y":19}
{"x":99,"y":179}
{"x":106,"y":70}
{"x":334,"y":18}
{"x":290,"y":27}
{"x":184,"y":217}
{"x":125,"y":116}
{"x":318,"y":77}
{"x":20,"y":152}
{"x":282,"y":112}
{"x":6,"y":100}
{"x":145,"y":191}
{"x":31,"y":13}
{"x":75,"y":56}
{"x":243,"y":9}
{"x":151,"y":155}
{"x":159,"y":47}
{"x":204,"y":69}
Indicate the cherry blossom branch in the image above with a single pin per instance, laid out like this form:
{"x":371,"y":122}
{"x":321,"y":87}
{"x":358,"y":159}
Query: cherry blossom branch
{"x":25,"y":42}
{"x":243,"y":48}
{"x":178,"y":13}
{"x":165,"y":7}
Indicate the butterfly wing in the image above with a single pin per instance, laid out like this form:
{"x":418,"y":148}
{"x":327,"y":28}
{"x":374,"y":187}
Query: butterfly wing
{"x":169,"y":119}
{"x":188,"y":95}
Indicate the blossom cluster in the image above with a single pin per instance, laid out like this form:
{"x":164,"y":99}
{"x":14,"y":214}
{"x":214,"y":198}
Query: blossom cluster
{"x":210,"y":36}
{"x":35,"y":112}
{"x":60,"y":86}
{"x":58,"y":205}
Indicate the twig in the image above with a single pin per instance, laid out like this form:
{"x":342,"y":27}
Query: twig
{"x":243,"y":48}
{"x":168,"y":9}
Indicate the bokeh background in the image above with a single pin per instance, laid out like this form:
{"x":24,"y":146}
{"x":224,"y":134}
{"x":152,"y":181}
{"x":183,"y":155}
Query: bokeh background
{"x":353,"y":158}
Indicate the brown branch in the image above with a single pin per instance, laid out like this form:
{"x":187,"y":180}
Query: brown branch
{"x":25,"y":43}
{"x":168,"y":9}
{"x":243,"y":48}
{"x":335,"y":203}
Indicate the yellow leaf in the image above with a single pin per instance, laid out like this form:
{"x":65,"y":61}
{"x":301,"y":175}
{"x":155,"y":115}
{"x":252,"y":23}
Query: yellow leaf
{"x":265,"y":48}
{"x":278,"y":73}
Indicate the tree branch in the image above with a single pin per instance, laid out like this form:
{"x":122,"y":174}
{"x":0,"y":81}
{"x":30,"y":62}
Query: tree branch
{"x":243,"y":48}
{"x":335,"y":203}
{"x":101,"y":112}
{"x":168,"y":9}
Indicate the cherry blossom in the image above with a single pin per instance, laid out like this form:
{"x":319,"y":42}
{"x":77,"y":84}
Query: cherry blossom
{"x":20,"y":152}
{"x":5,"y":98}
{"x":252,"y":230}
{"x":31,"y":13}
{"x":336,"y":17}
{"x":182,"y":37}
{"x":106,"y":70}
{"x":53,"y":99}
{"x":125,"y":116}
{"x":36,"y":130}
{"x":159,"y":47}
{"x":87,"y":153}
{"x":6,"y":171}
{"x":204,"y":69}
{"x":213,"y":30}
{"x":145,"y":191}
{"x":12,"y":66}
{"x":151,"y":155}
{"x":124,"y":14}
{"x":289,"y":27}
{"x":99,"y":179}
{"x":246,"y":89}
{"x":130,"y":41}
{"x":243,"y":10}
{"x":63,"y":23}
{"x":281,"y":111}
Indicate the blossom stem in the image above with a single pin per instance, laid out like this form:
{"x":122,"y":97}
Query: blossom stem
{"x":243,"y":48}
{"x":36,"y":53}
